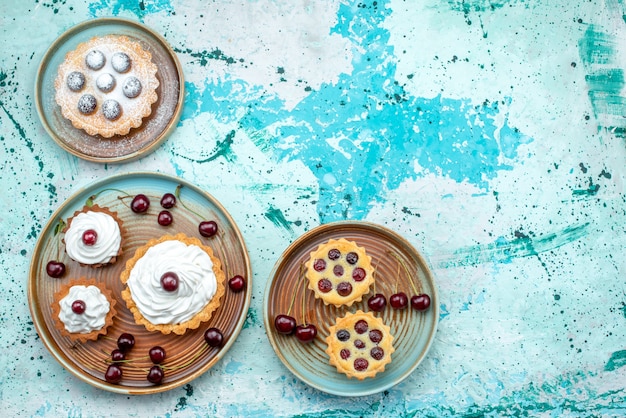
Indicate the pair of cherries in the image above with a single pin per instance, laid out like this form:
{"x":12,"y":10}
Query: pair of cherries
{"x":286,"y":325}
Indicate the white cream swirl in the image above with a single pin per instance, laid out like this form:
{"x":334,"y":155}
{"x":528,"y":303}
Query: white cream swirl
{"x":107,"y":243}
{"x":196,"y":282}
{"x":96,"y":309}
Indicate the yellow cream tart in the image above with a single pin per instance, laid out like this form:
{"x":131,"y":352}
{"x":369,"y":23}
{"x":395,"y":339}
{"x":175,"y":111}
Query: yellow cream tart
{"x":173,"y":283}
{"x":359,"y":345}
{"x":339,"y":272}
{"x":107,"y":85}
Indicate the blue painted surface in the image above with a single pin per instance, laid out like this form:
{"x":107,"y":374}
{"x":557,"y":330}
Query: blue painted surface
{"x":489,"y":134}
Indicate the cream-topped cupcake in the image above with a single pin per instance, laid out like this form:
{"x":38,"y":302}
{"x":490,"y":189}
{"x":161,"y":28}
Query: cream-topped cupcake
{"x":83,"y":309}
{"x":93,"y":236}
{"x":174,"y":283}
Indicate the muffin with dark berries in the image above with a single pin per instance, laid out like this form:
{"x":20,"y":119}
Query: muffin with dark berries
{"x":107,"y":85}
{"x":359,"y":345}
{"x":94,"y":236}
{"x":83,"y":309}
{"x":339,"y":272}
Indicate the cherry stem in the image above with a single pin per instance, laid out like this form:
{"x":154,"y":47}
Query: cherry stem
{"x":406,"y":269}
{"x":303,"y":300}
{"x":177,"y":194}
{"x":128,"y":361}
{"x":293,"y":298}
{"x":125,"y":361}
{"x":191,"y":360}
{"x":57,"y":229}
{"x":93,"y":197}
{"x":375,"y":273}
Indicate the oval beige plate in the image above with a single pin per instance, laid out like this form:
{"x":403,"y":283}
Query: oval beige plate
{"x":187,"y":356}
{"x":413,"y":331}
{"x":138,"y":142}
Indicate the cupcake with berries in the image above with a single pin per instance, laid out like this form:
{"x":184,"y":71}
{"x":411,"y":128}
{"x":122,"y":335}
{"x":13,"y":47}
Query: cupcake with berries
{"x":83,"y":309}
{"x":173,"y":284}
{"x":94,"y":236}
{"x":339,"y":272}
{"x":359,"y":345}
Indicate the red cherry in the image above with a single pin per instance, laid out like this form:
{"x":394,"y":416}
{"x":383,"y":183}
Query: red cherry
{"x":155,"y":375}
{"x":165,"y":218}
{"x":157,"y":354}
{"x":344,"y":288}
{"x":319,"y":264}
{"x":55,"y":269}
{"x":285,"y":324}
{"x":168,"y":201}
{"x":306,"y":333}
{"x":375,"y":336}
{"x":358,"y":274}
{"x":420,"y":302}
{"x":169,"y":281}
{"x":377,"y":303}
{"x":90,"y":237}
{"x":334,"y":254}
{"x":125,"y":342}
{"x":352,"y":258}
{"x":236,"y":283}
{"x":207,"y":228}
{"x":118,"y":355}
{"x":213,"y":337}
{"x":78,"y":307}
{"x":377,"y":353}
{"x":361,"y":364}
{"x":324,"y":285}
{"x":113,"y":374}
{"x":140,"y":203}
{"x":338,"y":270}
{"x":399,"y":300}
{"x":361,"y":326}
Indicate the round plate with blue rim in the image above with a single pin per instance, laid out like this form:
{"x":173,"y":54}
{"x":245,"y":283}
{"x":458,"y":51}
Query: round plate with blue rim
{"x":398,"y":268}
{"x":139,"y":141}
{"x":187,"y":356}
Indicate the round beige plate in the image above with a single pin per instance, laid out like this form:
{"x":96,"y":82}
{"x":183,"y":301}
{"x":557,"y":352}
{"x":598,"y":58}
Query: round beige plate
{"x":187,"y":356}
{"x":413,"y":331}
{"x":138,"y":142}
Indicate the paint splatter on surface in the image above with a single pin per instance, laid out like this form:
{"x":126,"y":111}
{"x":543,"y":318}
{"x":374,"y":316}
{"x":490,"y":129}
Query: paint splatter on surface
{"x":489,"y":134}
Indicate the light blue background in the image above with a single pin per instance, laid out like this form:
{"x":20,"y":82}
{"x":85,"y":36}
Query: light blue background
{"x":490,"y":134}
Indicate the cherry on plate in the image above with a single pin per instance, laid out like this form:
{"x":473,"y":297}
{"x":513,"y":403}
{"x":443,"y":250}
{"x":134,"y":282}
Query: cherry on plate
{"x":168,"y":201}
{"x":237,"y":283}
{"x":399,"y":300}
{"x":377,"y":302}
{"x":420,"y":302}
{"x":55,"y":269}
{"x":155,"y":375}
{"x":140,"y":203}
{"x":213,"y":337}
{"x":113,"y":374}
{"x":306,"y":333}
{"x":285,"y":324}
{"x":207,"y":228}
